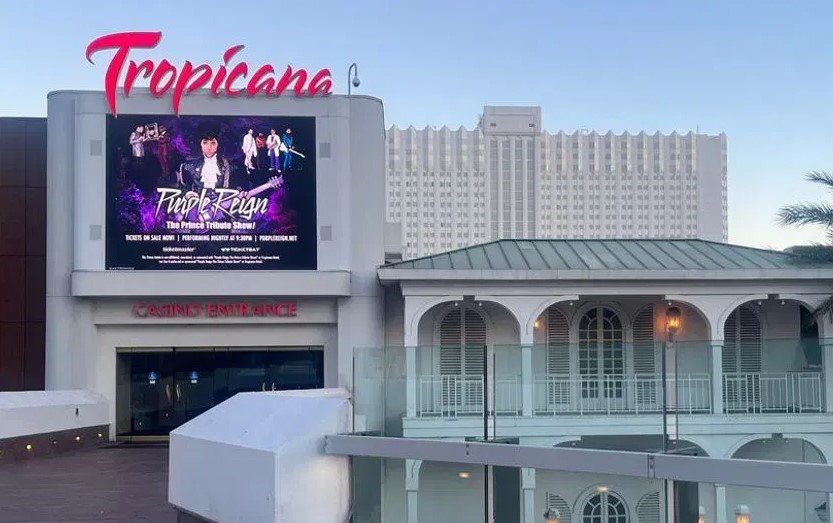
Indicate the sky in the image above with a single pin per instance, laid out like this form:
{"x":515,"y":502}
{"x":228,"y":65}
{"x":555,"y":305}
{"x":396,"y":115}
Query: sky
{"x":758,"y":71}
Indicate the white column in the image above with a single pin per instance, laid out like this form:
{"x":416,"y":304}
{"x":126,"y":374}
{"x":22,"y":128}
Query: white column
{"x":526,"y":380}
{"x":411,"y":381}
{"x":829,"y":506}
{"x":720,"y":503}
{"x":717,"y":376}
{"x":528,"y":499}
{"x":412,"y":467}
{"x":827,"y":362}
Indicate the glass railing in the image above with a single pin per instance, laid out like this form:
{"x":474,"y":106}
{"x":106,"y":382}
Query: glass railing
{"x":414,"y":491}
{"x":644,"y":397}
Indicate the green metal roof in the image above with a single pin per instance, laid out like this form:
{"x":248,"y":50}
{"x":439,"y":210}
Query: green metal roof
{"x":639,"y":255}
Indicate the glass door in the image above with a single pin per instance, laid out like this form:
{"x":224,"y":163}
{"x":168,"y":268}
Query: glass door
{"x":601,"y":357}
{"x":193,"y":383}
{"x":150,"y":391}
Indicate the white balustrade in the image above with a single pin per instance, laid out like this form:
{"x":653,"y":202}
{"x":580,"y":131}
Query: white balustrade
{"x":757,"y":392}
{"x":464,"y":395}
{"x":626,"y":394}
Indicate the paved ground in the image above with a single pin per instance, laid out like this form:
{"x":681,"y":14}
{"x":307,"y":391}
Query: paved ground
{"x":107,"y":484}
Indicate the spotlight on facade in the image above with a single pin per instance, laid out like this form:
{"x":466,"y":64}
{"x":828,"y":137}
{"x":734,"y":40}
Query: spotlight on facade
{"x":28,"y":446}
{"x":77,"y":438}
{"x":602,"y":488}
{"x":537,"y":324}
{"x":701,"y":514}
{"x":552,"y":516}
{"x":673,"y":320}
{"x":742,"y":514}
{"x":463,"y":475}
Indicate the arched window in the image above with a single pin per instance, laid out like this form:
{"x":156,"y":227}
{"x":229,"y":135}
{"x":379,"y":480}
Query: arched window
{"x":462,"y":342}
{"x":604,"y":507}
{"x":601,"y":356}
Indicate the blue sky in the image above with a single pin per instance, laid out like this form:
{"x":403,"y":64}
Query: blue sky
{"x":758,"y":71}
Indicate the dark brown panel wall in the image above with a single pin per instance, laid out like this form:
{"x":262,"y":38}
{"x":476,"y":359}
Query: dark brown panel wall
{"x":22,"y":252}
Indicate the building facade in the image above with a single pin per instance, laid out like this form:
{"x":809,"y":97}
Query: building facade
{"x":507,"y":178}
{"x":163,"y":342}
{"x":586,"y":343}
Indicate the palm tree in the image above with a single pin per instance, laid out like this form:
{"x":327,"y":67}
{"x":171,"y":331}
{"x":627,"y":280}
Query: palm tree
{"x":814,"y":214}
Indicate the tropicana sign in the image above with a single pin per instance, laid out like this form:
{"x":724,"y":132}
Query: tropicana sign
{"x":165,"y":77}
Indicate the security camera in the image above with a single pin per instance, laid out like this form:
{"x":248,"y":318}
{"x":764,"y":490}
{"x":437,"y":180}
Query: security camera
{"x":356,"y":81}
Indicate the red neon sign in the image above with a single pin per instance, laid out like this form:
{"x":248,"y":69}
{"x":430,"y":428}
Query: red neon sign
{"x":165,"y":77}
{"x":284,"y":309}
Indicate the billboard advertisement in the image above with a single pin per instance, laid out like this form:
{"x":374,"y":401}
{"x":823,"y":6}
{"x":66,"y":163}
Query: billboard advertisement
{"x":210,"y":193}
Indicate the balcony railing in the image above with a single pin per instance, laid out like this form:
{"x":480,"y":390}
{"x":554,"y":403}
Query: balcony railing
{"x":451,"y":396}
{"x":621,"y":394}
{"x":755,"y":392}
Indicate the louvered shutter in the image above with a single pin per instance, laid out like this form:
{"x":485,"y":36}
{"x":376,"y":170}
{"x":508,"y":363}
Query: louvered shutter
{"x":749,"y":338}
{"x":462,"y":343}
{"x":556,"y":502}
{"x":474,"y":340}
{"x":648,"y":509}
{"x":558,"y":343}
{"x":742,"y":342}
{"x":451,"y":339}
{"x":644,"y":359}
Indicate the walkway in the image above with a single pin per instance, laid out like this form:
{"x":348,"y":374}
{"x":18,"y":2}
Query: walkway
{"x":107,"y":484}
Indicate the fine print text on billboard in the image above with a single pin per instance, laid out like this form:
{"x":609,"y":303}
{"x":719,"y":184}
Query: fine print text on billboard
{"x":210,"y":192}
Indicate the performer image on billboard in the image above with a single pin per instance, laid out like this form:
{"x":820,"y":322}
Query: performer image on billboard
{"x":249,"y":149}
{"x":273,"y":142}
{"x":287,"y":148}
{"x":137,"y":142}
{"x":185,"y":192}
{"x":209,"y":170}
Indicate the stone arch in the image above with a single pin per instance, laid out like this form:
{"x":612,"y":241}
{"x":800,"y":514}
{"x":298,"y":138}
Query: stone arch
{"x":747,"y":441}
{"x":545,"y":304}
{"x":446,"y":308}
{"x":412,"y":323}
{"x":728,"y":310}
{"x":690,"y":305}
{"x":701,"y":446}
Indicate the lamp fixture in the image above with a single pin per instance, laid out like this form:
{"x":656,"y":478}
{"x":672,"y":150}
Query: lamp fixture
{"x":742,"y":514}
{"x":552,"y":516}
{"x":673,"y":320}
{"x":354,"y":81}
{"x":463,"y":475}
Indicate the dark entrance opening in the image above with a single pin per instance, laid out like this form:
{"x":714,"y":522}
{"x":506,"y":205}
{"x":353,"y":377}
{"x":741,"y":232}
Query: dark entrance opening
{"x":158,"y":390}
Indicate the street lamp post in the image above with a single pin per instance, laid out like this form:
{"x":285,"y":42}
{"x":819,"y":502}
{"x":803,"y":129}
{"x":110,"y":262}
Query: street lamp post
{"x":354,"y":81}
